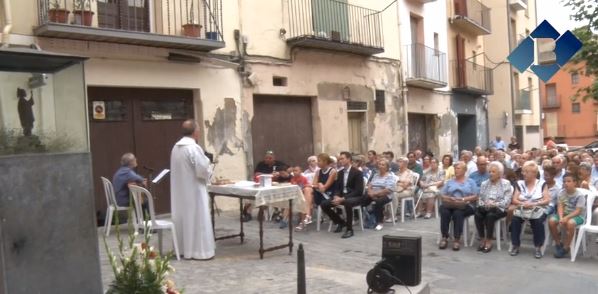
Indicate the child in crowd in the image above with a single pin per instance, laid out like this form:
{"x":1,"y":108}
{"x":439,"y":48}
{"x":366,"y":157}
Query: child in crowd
{"x":300,"y":180}
{"x":569,"y":214}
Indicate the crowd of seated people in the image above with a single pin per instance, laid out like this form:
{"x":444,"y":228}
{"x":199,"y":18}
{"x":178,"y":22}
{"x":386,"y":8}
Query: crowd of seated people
{"x":535,"y":186}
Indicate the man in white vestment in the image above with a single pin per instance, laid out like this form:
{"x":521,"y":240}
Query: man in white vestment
{"x":189,"y":169}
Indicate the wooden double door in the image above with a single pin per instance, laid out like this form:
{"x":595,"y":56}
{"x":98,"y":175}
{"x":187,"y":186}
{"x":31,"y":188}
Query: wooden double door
{"x":146,"y":122}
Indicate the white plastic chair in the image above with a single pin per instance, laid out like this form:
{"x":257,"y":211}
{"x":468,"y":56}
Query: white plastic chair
{"x":498,"y":228}
{"x":355,"y":208}
{"x":465,"y":231}
{"x":153,"y":223}
{"x":587,"y":227}
{"x":411,"y":198}
{"x":547,"y":239}
{"x":111,"y":206}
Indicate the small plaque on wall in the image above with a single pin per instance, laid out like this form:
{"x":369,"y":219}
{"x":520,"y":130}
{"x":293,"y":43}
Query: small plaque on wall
{"x":99,"y":110}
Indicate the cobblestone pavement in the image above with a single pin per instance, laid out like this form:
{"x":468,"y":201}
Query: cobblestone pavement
{"x":335,"y":265}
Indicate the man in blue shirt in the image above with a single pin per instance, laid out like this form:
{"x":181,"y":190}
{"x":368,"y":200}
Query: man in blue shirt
{"x":482,"y":173}
{"x":124,"y":176}
{"x":498,"y":144}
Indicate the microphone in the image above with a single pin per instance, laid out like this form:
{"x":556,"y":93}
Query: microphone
{"x":148,"y":168}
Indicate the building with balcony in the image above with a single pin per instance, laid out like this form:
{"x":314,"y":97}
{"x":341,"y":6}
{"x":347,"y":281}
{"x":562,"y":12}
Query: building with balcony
{"x":425,"y":71}
{"x":513,"y":108}
{"x":325,"y":73}
{"x":568,"y":119}
{"x":470,"y":75}
{"x":150,"y":65}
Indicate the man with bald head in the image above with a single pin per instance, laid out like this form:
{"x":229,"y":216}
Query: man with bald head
{"x":189,"y":174}
{"x":482,"y":173}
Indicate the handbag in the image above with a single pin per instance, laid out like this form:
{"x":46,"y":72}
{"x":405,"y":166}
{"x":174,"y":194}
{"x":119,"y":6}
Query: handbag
{"x":454,"y":204}
{"x":529,"y":213}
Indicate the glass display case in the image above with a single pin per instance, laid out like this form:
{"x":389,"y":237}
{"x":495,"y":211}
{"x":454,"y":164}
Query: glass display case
{"x":42,"y":103}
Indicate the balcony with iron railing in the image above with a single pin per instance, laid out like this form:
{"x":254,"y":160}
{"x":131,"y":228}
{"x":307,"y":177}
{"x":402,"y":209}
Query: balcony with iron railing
{"x":472,"y":16}
{"x":178,"y":24}
{"x":523,"y":103}
{"x":518,"y":4}
{"x":335,"y":25}
{"x":471,"y":78}
{"x":552,"y":102}
{"x":425,"y":66}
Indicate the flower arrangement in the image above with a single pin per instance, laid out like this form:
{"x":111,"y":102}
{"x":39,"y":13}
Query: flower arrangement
{"x":137,"y":267}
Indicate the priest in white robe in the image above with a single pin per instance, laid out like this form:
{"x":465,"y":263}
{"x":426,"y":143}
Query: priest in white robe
{"x":189,"y":172}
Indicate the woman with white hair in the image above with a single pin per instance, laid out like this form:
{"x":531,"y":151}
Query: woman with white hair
{"x":495,"y":197}
{"x":529,"y":194}
{"x":312,"y":168}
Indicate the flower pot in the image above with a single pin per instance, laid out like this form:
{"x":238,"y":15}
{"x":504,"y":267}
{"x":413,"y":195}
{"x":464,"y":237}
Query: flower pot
{"x":191,"y":30}
{"x":83,"y":17}
{"x":58,"y":15}
{"x":212,"y":36}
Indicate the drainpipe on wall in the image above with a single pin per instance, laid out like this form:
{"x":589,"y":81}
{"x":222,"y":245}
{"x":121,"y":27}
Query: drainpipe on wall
{"x":513,"y":132}
{"x":7,"y":23}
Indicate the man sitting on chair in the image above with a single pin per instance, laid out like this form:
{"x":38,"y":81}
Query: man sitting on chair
{"x":124,"y":176}
{"x":348,"y":193}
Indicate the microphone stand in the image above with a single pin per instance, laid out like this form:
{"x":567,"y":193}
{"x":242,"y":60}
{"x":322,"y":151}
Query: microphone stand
{"x":150,"y":177}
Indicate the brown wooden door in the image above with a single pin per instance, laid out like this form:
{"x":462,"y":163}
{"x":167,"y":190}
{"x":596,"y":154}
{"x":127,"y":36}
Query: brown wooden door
{"x":461,"y":7}
{"x":355,"y":122}
{"x":143,"y":121}
{"x":283,"y":125}
{"x":417,"y":132}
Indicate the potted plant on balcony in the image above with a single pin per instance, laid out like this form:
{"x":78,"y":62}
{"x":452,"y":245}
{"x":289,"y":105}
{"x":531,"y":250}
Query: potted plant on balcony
{"x":82,"y":12}
{"x":57,"y":14}
{"x":191,"y":28}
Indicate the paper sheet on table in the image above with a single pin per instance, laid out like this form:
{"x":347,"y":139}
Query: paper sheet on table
{"x":161,"y":175}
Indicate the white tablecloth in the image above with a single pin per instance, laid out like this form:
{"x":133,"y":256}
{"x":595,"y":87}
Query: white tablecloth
{"x":275,"y":195}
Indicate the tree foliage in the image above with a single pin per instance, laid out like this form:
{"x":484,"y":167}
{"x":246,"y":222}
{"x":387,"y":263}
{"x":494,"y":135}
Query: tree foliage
{"x":586,"y":12}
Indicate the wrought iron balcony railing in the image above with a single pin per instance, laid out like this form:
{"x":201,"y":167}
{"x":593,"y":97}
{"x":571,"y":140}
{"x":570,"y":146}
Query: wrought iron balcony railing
{"x":552,"y":102}
{"x":426,"y":67}
{"x":523,"y":103}
{"x":185,"y":24}
{"x":335,"y":25}
{"x":472,"y":16}
{"x":471,"y":77}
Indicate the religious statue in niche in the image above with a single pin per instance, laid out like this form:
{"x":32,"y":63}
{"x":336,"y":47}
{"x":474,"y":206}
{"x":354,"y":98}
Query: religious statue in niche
{"x":25,"y":108}
{"x":27,"y":142}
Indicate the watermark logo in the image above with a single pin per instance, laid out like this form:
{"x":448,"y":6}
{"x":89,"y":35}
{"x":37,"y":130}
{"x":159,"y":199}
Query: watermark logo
{"x":555,"y":50}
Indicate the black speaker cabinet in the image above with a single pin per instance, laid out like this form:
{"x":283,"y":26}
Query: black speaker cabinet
{"x":404,"y":254}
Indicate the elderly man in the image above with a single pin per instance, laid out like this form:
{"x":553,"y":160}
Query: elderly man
{"x":559,"y":163}
{"x":482,"y":173}
{"x":499,"y":144}
{"x":124,"y":176}
{"x":190,"y":171}
{"x":269,"y":166}
{"x":466,"y":156}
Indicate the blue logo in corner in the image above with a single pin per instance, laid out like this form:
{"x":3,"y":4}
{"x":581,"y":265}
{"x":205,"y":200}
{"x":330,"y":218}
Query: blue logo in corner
{"x":566,"y":45}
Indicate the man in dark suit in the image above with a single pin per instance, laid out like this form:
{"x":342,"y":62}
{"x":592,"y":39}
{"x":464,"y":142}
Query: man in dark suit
{"x":348,"y":192}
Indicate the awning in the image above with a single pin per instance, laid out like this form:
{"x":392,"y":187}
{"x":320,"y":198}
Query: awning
{"x":23,"y":59}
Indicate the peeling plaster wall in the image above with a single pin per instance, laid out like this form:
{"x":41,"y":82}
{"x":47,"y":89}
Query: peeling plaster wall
{"x":438,"y":104}
{"x":323,"y":75}
{"x":472,"y":105}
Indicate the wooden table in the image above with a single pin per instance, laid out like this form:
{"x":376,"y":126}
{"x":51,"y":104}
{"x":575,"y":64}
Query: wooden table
{"x":262,"y":197}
